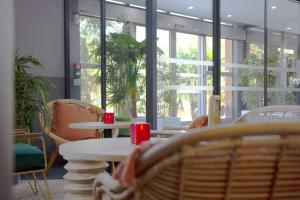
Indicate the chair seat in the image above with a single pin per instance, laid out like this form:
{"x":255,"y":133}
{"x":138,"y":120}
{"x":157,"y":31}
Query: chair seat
{"x":28,"y":157}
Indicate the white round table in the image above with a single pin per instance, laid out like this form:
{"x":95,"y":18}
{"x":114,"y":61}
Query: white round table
{"x":87,"y":158}
{"x":100,"y":125}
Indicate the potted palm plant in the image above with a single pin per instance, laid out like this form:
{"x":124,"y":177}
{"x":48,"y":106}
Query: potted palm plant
{"x":31,"y":92}
{"x":126,"y":59}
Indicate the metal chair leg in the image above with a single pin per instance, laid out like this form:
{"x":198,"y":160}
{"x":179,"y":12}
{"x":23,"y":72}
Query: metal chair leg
{"x":113,"y":167}
{"x":33,"y":188}
{"x":40,"y":190}
{"x":52,"y":158}
{"x":48,"y":193}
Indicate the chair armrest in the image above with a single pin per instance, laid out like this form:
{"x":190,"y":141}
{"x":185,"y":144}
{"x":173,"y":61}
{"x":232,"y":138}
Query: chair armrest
{"x":175,"y":128}
{"x":165,"y":133}
{"x":105,"y":185}
{"x":27,"y":135}
{"x":19,"y":131}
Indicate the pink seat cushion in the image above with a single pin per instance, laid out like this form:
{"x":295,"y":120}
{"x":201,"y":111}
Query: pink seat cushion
{"x":66,"y":113}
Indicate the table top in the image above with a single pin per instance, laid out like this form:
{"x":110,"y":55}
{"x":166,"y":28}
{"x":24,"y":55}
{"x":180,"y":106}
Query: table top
{"x":99,"y":125}
{"x":104,"y":149}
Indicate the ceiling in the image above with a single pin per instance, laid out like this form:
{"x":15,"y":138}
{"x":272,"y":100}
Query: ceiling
{"x":283,"y":15}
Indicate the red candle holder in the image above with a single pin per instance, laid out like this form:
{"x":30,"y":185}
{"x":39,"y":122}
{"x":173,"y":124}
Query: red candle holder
{"x":108,"y":118}
{"x":139,"y":132}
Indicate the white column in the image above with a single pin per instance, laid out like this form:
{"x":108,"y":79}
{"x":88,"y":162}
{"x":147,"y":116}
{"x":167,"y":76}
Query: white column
{"x":238,"y":48}
{"x":201,"y":71}
{"x":282,"y":74}
{"x":173,"y":71}
{"x":6,"y":94}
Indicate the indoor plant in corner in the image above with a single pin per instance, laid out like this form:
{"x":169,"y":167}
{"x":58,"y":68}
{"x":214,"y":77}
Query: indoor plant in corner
{"x":31,"y":92}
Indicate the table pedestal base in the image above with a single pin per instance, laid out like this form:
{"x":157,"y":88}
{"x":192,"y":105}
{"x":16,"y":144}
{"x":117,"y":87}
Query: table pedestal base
{"x":80,"y":177}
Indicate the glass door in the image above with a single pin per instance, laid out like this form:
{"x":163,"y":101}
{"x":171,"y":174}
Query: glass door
{"x":184,"y":69}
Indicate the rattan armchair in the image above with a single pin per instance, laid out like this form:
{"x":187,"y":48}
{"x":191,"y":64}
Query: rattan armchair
{"x":46,"y":127}
{"x":271,"y":114}
{"x":216,"y":163}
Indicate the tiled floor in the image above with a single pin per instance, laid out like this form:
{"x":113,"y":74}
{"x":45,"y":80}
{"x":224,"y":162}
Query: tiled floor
{"x":23,"y":191}
{"x":57,"y":172}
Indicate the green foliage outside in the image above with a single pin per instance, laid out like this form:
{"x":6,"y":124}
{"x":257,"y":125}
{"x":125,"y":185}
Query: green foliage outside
{"x":89,"y":43}
{"x":126,"y":71}
{"x":255,"y":78}
{"x":89,"y":39}
{"x":31,"y":92}
{"x":164,"y":96}
{"x":188,"y":54}
{"x":125,"y":62}
{"x":125,"y":67}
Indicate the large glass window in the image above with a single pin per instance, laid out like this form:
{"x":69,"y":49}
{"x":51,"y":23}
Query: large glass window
{"x":163,"y":49}
{"x":90,"y":55}
{"x":242,"y":56}
{"x":126,"y":63}
{"x":125,"y":54}
{"x":185,"y":73}
{"x":188,"y":48}
{"x":226,"y":79}
{"x":89,"y":43}
{"x":283,"y":52}
{"x":89,"y":38}
{"x":185,"y":56}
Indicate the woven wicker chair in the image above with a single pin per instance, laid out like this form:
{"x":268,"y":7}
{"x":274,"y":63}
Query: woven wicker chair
{"x":46,"y":127}
{"x":215,"y":164}
{"x":271,"y":114}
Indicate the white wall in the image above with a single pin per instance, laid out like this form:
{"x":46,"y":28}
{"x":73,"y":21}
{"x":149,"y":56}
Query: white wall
{"x":39,"y":31}
{"x":6,"y":94}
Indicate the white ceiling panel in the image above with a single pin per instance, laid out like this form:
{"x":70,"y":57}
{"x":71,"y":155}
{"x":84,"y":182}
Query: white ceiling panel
{"x":285,"y":15}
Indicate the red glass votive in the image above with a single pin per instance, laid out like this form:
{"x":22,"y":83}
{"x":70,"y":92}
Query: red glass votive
{"x":139,"y":132}
{"x":108,"y":118}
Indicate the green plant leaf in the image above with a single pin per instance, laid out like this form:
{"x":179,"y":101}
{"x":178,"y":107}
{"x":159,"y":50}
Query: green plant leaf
{"x":31,"y":92}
